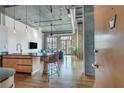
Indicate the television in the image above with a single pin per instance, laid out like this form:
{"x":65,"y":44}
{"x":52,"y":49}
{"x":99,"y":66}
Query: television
{"x":32,"y":45}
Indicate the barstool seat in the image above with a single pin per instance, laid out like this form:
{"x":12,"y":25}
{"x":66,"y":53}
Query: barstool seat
{"x":53,"y":65}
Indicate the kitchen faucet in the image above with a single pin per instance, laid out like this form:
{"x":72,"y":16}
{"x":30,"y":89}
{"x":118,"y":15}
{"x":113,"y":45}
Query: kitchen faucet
{"x":19,"y":47}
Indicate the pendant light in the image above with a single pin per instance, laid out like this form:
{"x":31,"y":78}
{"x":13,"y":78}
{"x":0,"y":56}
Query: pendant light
{"x":51,"y":34}
{"x":51,"y":31}
{"x":26,"y":30}
{"x":51,"y":23}
{"x":39,"y":28}
{"x":14,"y":30}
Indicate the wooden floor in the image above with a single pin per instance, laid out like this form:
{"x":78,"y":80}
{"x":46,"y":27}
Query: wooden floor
{"x":71,"y":76}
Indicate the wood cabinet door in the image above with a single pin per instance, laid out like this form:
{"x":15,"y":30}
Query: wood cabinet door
{"x":23,"y":68}
{"x":20,"y":64}
{"x":24,"y":62}
{"x":0,"y":61}
{"x":24,"y":65}
{"x":10,"y":63}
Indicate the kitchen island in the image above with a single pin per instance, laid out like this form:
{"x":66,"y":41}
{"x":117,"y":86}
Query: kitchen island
{"x":7,"y":77}
{"x":26,"y":63}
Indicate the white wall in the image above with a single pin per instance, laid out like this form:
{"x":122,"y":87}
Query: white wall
{"x":3,"y":39}
{"x":21,"y":36}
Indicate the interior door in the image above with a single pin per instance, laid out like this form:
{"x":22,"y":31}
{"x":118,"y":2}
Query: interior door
{"x":109,"y":56}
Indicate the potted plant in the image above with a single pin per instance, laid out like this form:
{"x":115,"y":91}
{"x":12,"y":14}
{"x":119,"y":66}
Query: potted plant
{"x":74,"y":49}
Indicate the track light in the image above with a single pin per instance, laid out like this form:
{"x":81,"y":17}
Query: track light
{"x":14,"y":30}
{"x":39,"y":29}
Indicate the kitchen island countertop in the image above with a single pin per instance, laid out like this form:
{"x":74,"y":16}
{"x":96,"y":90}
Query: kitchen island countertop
{"x":27,"y":54}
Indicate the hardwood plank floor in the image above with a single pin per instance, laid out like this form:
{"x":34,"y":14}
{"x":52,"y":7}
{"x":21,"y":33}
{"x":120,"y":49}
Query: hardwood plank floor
{"x":71,"y":76}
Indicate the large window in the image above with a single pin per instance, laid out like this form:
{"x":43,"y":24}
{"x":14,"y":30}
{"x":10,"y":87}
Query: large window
{"x":66,"y":42}
{"x":66,"y":38}
{"x":51,"y":42}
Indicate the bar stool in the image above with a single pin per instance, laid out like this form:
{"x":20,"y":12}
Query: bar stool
{"x":53,"y":65}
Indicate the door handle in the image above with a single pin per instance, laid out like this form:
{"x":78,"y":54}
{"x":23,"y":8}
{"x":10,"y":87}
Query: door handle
{"x":96,"y":51}
{"x":96,"y":66}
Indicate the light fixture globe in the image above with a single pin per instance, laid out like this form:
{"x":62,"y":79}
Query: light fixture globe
{"x":14,"y":30}
{"x":39,"y":29}
{"x":26,"y":30}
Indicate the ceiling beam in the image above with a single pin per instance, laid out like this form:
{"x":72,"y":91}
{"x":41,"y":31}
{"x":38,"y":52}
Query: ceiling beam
{"x":55,"y":25}
{"x":49,"y":20}
{"x":58,"y":32}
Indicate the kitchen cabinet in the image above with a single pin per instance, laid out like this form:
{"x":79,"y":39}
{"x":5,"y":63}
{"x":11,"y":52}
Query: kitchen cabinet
{"x":25,"y":64}
{"x":0,"y":61}
{"x":9,"y":63}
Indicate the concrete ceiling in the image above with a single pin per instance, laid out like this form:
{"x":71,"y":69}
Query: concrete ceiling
{"x":42,"y":15}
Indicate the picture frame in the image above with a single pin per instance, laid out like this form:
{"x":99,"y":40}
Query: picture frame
{"x":112,"y":22}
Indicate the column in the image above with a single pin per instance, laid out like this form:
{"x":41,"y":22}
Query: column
{"x":89,"y":56}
